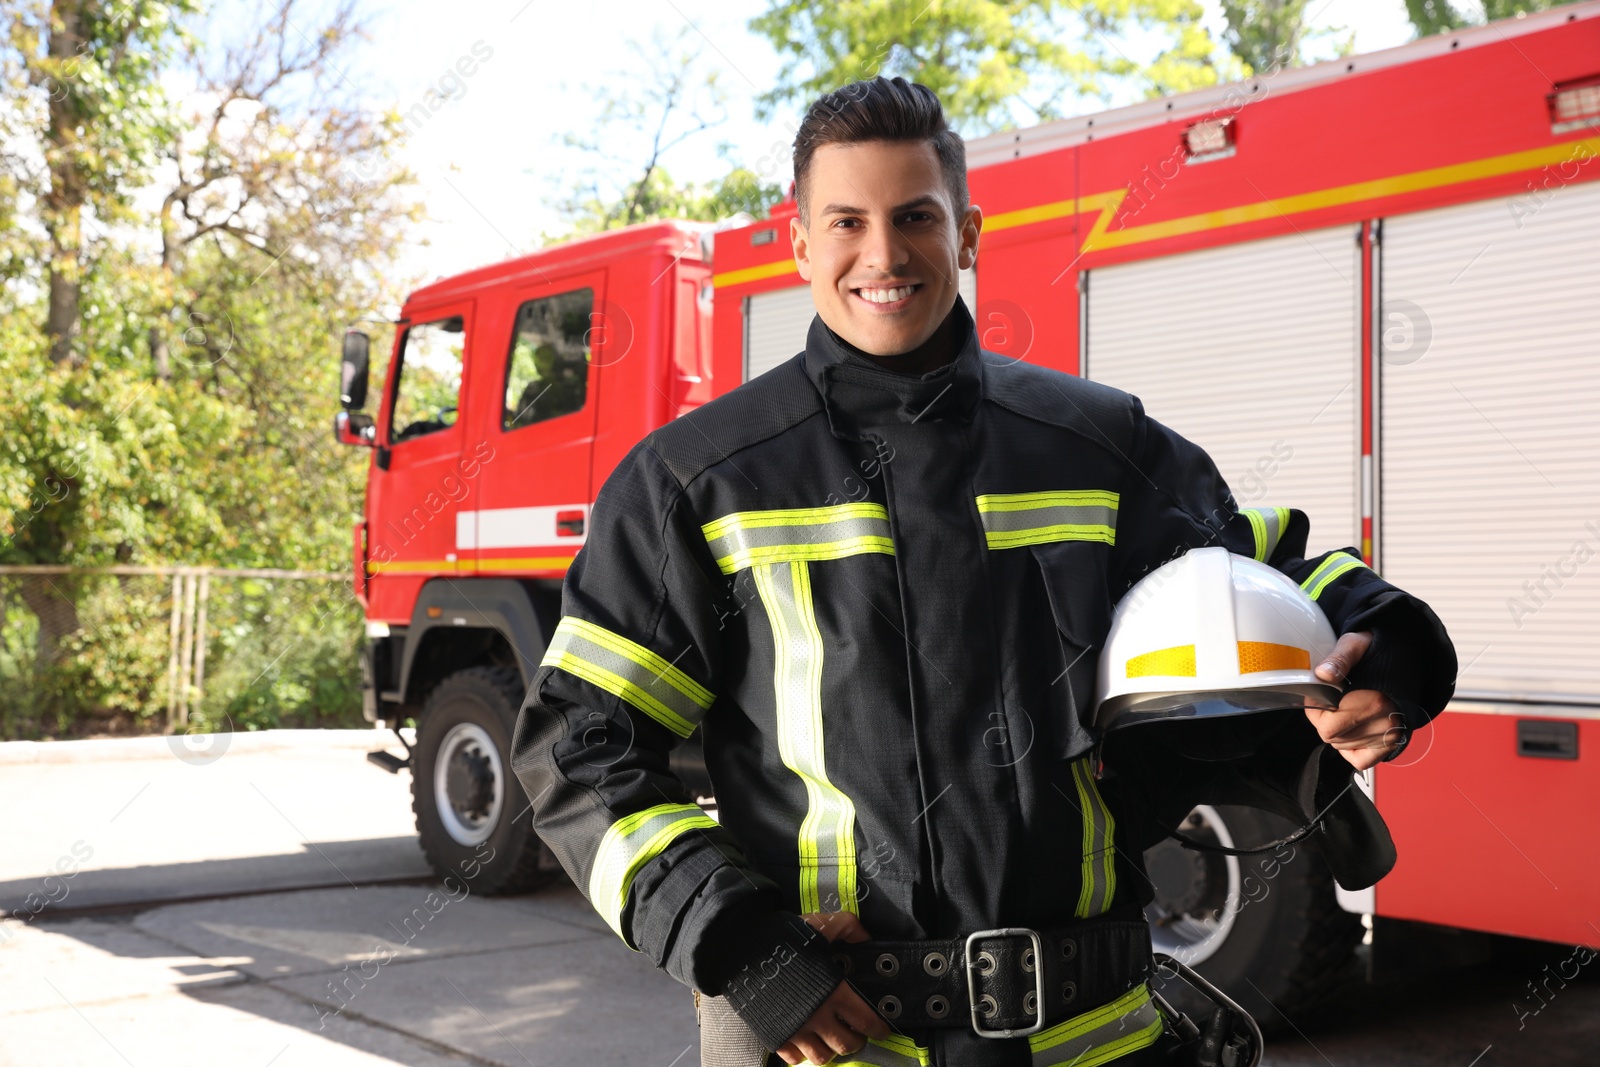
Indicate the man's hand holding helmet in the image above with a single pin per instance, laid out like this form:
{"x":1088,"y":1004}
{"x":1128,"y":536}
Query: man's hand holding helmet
{"x":1367,"y":728}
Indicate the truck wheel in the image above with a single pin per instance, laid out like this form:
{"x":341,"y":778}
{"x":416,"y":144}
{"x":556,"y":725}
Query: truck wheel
{"x":473,"y":817}
{"x":1266,"y":929}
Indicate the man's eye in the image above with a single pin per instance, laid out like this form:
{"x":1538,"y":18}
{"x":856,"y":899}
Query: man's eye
{"x":847,"y":222}
{"x":915,"y":216}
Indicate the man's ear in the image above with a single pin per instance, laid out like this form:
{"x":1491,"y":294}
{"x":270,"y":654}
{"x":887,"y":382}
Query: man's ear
{"x":971,"y":227}
{"x":801,"y":241}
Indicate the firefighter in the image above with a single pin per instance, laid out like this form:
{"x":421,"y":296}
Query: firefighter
{"x":874,"y":579}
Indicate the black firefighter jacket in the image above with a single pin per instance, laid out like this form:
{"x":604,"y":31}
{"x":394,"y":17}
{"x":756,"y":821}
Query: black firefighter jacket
{"x":879,"y":597}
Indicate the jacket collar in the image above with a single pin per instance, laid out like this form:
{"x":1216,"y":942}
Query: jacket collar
{"x":859,"y":395}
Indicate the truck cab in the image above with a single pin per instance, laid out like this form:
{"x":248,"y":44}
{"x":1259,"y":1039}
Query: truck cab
{"x":510,"y":394}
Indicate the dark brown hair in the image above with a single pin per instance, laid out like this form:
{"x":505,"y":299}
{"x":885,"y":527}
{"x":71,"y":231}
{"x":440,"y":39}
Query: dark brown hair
{"x":880,"y":109}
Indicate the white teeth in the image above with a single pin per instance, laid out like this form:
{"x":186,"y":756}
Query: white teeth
{"x":887,"y":296}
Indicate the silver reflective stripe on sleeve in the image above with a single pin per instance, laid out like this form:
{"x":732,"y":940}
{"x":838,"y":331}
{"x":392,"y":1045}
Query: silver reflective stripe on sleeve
{"x":752,"y":538}
{"x":1337,"y":563}
{"x":826,"y":846}
{"x":1011,"y":520}
{"x":1267,"y":524}
{"x":628,"y":670}
{"x":630,"y":843}
{"x":1127,"y":1024}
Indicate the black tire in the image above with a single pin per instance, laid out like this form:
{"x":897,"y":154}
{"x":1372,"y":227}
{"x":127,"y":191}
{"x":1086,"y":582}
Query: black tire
{"x":484,"y":836}
{"x":1290,"y":949}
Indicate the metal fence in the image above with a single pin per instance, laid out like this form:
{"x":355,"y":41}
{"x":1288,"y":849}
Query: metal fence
{"x":138,"y":649}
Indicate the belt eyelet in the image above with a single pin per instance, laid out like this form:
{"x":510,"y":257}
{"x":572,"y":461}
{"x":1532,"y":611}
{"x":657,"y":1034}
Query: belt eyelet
{"x":1030,"y":1003}
{"x":889,"y":1007}
{"x":988,"y":1006}
{"x":1027,"y":960}
{"x":846,"y":964}
{"x":888,"y":964}
{"x":937,"y":1007}
{"x":1068,"y":991}
{"x":935,"y":964}
{"x":986,"y":964}
{"x":1069,"y":949}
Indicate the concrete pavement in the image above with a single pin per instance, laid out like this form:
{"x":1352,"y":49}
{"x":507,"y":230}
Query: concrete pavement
{"x":318,"y":939}
{"x":401,"y":974}
{"x":406,"y":974}
{"x":157,"y":819}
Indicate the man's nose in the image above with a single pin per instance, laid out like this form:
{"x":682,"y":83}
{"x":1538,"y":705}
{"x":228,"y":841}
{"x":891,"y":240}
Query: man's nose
{"x":886,"y":248}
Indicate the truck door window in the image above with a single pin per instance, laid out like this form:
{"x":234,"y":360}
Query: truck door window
{"x":547,"y":372}
{"x":430,"y":378}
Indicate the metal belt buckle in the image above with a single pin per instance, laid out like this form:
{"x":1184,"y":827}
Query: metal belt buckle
{"x":1038,"y":980}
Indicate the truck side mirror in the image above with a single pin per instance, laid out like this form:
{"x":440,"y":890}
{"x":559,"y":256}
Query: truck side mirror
{"x":354,"y":428}
{"x":353,"y":370}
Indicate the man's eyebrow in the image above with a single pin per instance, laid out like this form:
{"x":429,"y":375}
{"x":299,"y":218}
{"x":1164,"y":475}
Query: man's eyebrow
{"x":847,"y":209}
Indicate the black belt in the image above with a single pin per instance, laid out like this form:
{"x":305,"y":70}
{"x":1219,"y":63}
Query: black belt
{"x":1004,"y":982}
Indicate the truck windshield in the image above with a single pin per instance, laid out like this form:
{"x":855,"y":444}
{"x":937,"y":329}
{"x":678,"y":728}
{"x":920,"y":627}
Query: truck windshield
{"x":430,"y":378}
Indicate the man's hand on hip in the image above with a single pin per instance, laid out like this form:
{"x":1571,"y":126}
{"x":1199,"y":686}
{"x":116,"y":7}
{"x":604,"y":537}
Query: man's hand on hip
{"x":844,"y":1021}
{"x":1366,"y":726}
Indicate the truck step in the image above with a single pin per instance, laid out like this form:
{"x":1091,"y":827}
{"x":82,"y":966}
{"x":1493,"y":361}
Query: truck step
{"x":388,"y":761}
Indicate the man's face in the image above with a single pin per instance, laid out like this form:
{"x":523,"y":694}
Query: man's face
{"x":884,"y":246}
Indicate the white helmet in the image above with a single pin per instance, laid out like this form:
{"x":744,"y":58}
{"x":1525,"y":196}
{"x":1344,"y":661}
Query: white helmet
{"x":1208,"y":635}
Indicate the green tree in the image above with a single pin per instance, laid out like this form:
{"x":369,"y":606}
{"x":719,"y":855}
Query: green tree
{"x":984,"y":57}
{"x":100,"y":112}
{"x":1264,"y":34}
{"x":659,"y":103}
{"x":1437,"y":16}
{"x":1268,"y":35}
{"x":589,"y":210}
{"x":174,"y":407}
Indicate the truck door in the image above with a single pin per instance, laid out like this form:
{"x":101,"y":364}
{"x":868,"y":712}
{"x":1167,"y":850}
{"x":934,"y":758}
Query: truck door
{"x":416,"y":487}
{"x":538,"y":405}
{"x":1490,"y":458}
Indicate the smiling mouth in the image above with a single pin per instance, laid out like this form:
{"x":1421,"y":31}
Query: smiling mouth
{"x":887,"y":294}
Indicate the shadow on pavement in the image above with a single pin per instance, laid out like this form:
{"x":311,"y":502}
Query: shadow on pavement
{"x":416,"y":974}
{"x":321,"y":863}
{"x":1532,"y":1003}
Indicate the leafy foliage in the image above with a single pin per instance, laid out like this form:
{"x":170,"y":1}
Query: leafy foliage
{"x":1437,"y":16}
{"x":188,"y":422}
{"x":660,"y":197}
{"x":985,"y":58}
{"x":665,"y":102}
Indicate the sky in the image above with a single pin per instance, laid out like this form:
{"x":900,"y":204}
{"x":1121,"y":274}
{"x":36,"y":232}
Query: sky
{"x":492,"y":159}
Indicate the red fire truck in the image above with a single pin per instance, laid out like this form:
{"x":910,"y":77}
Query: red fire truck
{"x":1369,"y":288}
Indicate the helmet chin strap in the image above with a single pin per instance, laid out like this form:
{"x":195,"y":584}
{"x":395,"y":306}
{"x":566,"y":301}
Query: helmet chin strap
{"x":1301,"y":834}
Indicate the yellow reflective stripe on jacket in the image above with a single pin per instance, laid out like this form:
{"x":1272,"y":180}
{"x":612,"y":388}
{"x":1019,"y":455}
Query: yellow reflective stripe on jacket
{"x":1336,"y":564}
{"x":630,"y":843}
{"x":1268,"y":525}
{"x":752,"y":538}
{"x":1011,"y":520}
{"x":630,"y":671}
{"x":1099,"y":879}
{"x":827,"y":845}
{"x":896,"y":1050}
{"x":1127,"y":1024}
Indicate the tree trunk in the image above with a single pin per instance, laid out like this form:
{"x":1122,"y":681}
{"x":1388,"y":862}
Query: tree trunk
{"x":158,"y":353}
{"x":49,"y":596}
{"x":171,"y":248}
{"x":63,"y":204}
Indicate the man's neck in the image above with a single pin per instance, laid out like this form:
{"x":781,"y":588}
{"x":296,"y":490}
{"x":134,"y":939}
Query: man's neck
{"x":939,"y":349}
